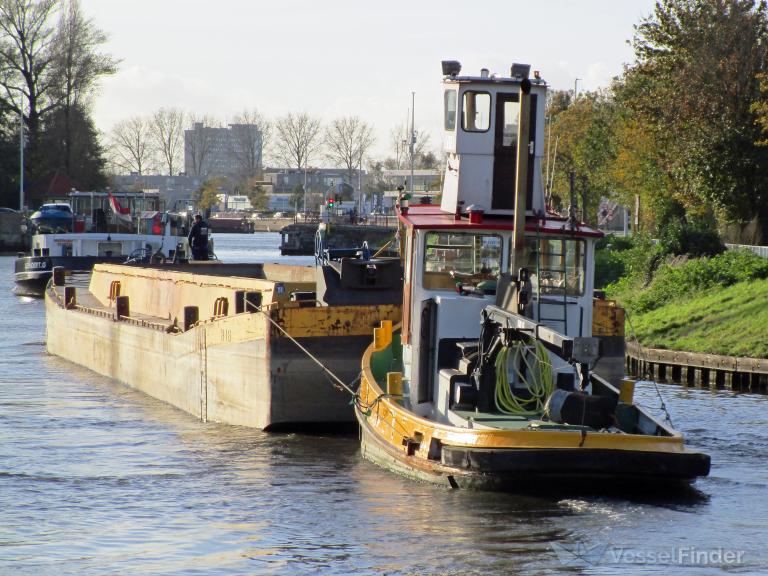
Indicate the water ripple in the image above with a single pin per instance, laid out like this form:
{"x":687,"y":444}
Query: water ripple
{"x":96,"y":478}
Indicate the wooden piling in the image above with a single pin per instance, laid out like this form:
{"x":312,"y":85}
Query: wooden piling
{"x":123,"y":307}
{"x":70,"y":297}
{"x":58,"y":276}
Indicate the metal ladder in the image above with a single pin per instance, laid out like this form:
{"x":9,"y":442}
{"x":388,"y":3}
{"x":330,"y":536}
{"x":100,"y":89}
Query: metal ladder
{"x":561,"y":305}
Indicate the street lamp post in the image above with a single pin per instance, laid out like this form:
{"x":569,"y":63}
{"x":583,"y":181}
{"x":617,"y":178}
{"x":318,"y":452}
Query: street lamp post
{"x":413,"y":134}
{"x":305,"y":190}
{"x":21,"y":155}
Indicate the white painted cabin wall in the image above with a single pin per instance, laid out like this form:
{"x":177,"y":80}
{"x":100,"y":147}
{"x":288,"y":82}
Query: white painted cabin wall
{"x":459,"y":316}
{"x":469,"y":167}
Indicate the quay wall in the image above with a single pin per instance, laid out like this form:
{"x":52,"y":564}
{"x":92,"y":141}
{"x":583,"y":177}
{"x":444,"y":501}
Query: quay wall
{"x":697,"y":369}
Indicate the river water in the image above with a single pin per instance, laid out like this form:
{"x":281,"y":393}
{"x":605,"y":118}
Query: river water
{"x":96,"y":478}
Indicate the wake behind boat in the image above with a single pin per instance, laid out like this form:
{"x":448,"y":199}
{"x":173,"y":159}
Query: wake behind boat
{"x":488,"y":381}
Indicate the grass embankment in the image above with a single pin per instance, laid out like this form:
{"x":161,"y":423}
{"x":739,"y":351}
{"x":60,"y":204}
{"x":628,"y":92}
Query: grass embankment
{"x":716,"y":305}
{"x":731,"y":321}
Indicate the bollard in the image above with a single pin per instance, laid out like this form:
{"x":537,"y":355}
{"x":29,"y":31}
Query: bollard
{"x":626,"y":391}
{"x":239,"y":301}
{"x":386,"y":328}
{"x":191,"y":316}
{"x":395,"y":383}
{"x":221,"y":307}
{"x":114,"y":289}
{"x":58,"y":275}
{"x":70,"y":297}
{"x":123,"y":307}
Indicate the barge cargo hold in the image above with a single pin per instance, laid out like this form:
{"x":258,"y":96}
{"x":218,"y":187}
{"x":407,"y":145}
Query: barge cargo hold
{"x":211,"y":339}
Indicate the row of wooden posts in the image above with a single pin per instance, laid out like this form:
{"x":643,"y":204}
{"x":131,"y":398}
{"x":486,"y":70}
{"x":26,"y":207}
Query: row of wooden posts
{"x":695,"y":369}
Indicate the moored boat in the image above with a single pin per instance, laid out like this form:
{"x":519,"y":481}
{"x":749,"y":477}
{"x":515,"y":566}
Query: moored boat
{"x":97,"y":227}
{"x":488,"y":381}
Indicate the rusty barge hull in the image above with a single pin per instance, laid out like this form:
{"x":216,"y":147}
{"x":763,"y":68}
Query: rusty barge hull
{"x":237,"y":369}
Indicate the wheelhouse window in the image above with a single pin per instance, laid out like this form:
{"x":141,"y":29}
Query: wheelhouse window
{"x":511,"y":112}
{"x":556,"y":265}
{"x":458,"y":258}
{"x":450,"y":110}
{"x":476,"y":111}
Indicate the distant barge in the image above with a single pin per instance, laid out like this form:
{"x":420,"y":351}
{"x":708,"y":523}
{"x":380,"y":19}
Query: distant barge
{"x":301,"y":239}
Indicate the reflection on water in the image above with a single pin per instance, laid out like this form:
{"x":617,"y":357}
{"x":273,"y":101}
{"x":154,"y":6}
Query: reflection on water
{"x":96,"y":478}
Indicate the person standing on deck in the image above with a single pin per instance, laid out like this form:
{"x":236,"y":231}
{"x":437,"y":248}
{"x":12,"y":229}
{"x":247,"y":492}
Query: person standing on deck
{"x":198,"y":238}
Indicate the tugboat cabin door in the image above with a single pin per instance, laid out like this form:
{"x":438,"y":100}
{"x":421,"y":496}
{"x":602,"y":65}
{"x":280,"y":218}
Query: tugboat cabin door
{"x":505,"y":151}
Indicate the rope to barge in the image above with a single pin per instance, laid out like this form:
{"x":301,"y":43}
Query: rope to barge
{"x":335,"y":379}
{"x":381,"y":250}
{"x":648,"y":376}
{"x":365,"y":408}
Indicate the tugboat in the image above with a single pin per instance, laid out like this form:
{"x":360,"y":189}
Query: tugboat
{"x":487,"y":382}
{"x":96,"y":227}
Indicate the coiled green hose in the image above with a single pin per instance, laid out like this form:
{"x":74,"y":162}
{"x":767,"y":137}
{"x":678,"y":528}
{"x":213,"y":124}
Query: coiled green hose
{"x":538,"y":379}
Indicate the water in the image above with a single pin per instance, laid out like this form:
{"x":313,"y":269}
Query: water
{"x":98,"y":479}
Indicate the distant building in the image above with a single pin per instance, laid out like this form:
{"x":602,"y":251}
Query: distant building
{"x":233,"y":152}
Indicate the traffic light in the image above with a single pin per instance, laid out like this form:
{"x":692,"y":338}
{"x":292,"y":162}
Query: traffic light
{"x":331,"y":202}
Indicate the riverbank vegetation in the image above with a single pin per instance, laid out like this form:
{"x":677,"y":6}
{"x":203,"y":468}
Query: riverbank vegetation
{"x":698,"y":299}
{"x":680,"y":136}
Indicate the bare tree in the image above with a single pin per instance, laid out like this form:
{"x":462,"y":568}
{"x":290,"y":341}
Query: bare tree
{"x":25,"y":61}
{"x":167,"y":132}
{"x":198,"y":145}
{"x":347,"y":141}
{"x":76,"y":66}
{"x":401,"y":138}
{"x":297,"y":138}
{"x":251,"y":134}
{"x":131,"y":147}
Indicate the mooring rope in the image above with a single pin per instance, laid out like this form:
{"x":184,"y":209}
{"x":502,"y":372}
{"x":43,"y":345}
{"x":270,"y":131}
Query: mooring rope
{"x":380,"y":250}
{"x":650,"y":376}
{"x":365,"y":408}
{"x":325,"y":369}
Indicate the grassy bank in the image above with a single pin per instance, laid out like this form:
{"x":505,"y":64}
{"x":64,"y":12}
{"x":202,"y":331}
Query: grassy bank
{"x":716,"y":305}
{"x":730,"y":320}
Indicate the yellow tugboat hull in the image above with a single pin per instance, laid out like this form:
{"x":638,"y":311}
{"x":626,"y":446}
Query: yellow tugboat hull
{"x":396,"y":438}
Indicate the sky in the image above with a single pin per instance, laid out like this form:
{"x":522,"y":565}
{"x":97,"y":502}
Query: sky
{"x":334,"y":58}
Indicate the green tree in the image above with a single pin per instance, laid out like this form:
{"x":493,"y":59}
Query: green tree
{"x":82,"y":158}
{"x":297,"y":197}
{"x":207,"y":195}
{"x":48,"y":69}
{"x":9,"y":159}
{"x":258,"y":197}
{"x":695,"y":83}
{"x":585,"y":146}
